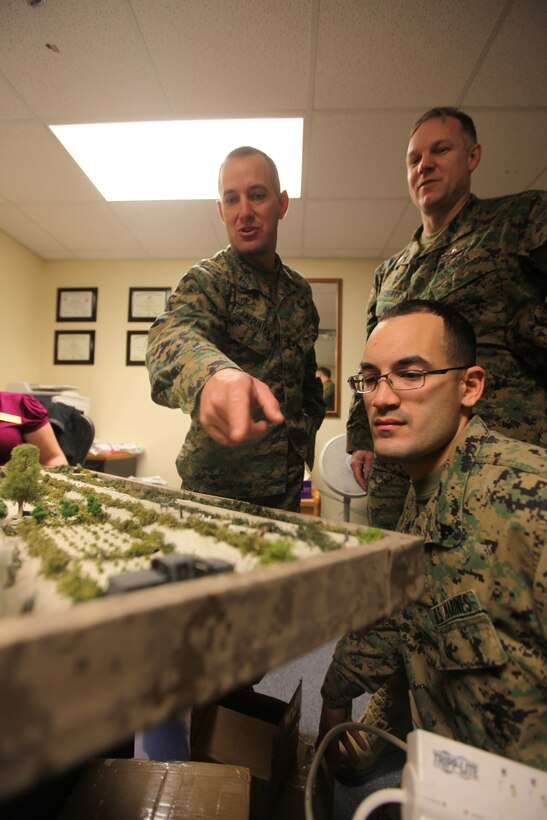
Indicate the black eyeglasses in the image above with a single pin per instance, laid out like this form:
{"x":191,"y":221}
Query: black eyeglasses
{"x":405,"y":379}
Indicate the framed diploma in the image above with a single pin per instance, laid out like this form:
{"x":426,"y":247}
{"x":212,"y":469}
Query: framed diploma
{"x":76,"y":304}
{"x":136,"y":347}
{"x":74,"y":347}
{"x":146,"y":304}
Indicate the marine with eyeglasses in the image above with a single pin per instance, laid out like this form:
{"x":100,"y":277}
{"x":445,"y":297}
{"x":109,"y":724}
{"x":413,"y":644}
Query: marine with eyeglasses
{"x":472,"y":649}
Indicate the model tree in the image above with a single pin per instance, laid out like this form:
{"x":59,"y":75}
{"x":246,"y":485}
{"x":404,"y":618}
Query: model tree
{"x":22,"y":475}
{"x":94,"y":506}
{"x":39,"y":512}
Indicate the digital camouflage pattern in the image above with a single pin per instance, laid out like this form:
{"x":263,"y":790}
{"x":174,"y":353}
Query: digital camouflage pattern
{"x":226,"y":314}
{"x":488,"y":264}
{"x":474,"y":647}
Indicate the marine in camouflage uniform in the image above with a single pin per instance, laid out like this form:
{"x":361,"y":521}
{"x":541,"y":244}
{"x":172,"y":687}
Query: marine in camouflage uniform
{"x":474,"y":646}
{"x":227,"y":314}
{"x":490,"y":263}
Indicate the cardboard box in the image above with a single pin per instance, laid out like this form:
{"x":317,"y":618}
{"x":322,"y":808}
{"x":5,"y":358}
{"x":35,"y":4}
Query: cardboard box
{"x":291,"y":803}
{"x":253,"y":730}
{"x":128,"y":789}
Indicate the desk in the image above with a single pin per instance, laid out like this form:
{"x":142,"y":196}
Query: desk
{"x":311,"y":506}
{"x":120,"y":463}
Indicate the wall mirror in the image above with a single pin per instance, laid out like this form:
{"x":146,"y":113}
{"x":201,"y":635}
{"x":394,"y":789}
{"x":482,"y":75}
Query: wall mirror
{"x":327,"y":295}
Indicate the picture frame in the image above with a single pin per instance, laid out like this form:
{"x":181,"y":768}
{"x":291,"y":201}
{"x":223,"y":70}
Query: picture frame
{"x":135,"y":349}
{"x":76,"y":304}
{"x":146,"y":304}
{"x":74,"y":347}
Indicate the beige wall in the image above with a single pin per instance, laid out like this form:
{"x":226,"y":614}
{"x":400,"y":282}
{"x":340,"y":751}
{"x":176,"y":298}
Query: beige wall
{"x":21,"y":284}
{"x":121,"y":407}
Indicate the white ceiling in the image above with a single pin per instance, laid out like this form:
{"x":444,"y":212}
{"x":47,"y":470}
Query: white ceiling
{"x":359,"y":71}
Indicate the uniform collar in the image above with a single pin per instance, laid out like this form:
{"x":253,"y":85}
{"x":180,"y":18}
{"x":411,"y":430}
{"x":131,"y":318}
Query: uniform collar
{"x":443,"y":526}
{"x":251,"y":278}
{"x":458,"y":227}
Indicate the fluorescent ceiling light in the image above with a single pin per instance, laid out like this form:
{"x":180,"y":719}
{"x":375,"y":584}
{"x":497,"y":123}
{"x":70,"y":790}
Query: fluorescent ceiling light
{"x":135,"y":161}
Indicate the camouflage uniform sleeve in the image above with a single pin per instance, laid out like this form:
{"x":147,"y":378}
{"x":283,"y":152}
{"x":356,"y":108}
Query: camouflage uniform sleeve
{"x":362,"y":662}
{"x":540,"y":592}
{"x":358,"y":435}
{"x":184,"y":343}
{"x":527,"y":334}
{"x":372,"y":318}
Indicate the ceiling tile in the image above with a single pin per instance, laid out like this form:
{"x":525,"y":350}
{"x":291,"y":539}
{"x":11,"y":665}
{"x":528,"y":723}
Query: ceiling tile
{"x":34,"y":166}
{"x":12,"y":106}
{"x":351,"y":224}
{"x":404,"y":53}
{"x":101,"y":72}
{"x":514,"y":70}
{"x":117,"y":253}
{"x":342,"y":253}
{"x":358,"y":154}
{"x":514,"y":150}
{"x":224,"y":59}
{"x":63,"y":254}
{"x":90,"y":225}
{"x":25,"y":230}
{"x":160,"y":225}
{"x":291,"y":228}
{"x":540,"y":182}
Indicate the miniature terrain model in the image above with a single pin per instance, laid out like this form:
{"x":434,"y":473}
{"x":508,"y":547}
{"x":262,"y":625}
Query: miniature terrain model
{"x":87,"y":668}
{"x":83,"y":537}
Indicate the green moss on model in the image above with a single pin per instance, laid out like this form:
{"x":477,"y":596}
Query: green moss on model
{"x":277,"y":552}
{"x":369,"y":535}
{"x":246,"y":543}
{"x":77,"y":586}
{"x":315,"y":533}
{"x":54,"y":559}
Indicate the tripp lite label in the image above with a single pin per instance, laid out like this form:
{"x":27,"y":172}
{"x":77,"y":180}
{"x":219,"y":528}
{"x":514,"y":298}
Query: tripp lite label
{"x":460,"y":765}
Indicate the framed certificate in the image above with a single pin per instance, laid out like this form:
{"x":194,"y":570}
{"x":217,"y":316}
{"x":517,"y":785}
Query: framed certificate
{"x":146,"y":304}
{"x":136,"y":347}
{"x":76,"y":305}
{"x":74,"y":347}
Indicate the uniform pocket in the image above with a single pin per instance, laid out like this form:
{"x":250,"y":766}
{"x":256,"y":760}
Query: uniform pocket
{"x":250,"y":331}
{"x":467,"y":638}
{"x":461,"y":266}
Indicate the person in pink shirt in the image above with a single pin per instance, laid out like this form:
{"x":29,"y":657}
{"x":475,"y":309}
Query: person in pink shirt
{"x":24,"y":420}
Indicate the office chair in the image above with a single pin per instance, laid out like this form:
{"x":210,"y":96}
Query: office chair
{"x":74,"y":431}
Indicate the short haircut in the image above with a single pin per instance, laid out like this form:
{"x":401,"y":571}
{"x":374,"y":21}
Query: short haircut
{"x":460,"y":339}
{"x":325,"y":371}
{"x":248,"y":151}
{"x":467,"y":124}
